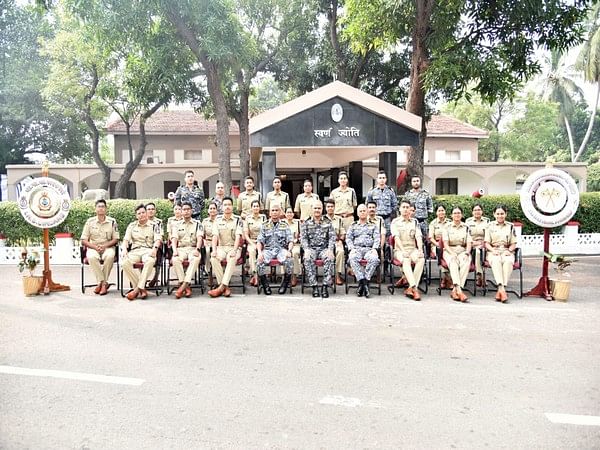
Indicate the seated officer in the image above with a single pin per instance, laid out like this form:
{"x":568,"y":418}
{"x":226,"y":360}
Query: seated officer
{"x":145,"y":240}
{"x":408,"y":248}
{"x":363,"y":240}
{"x":318,"y":242}
{"x":340,"y":232}
{"x":100,"y":235}
{"x":187,"y":245}
{"x":275,"y":242}
{"x":227,"y":233}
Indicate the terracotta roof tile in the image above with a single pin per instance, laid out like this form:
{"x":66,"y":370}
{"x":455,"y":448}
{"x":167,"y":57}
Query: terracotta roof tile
{"x":441,"y":125}
{"x":177,"y":122}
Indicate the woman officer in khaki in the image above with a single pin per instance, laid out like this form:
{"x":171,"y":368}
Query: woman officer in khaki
{"x":457,"y":253}
{"x":294,"y":225}
{"x":501,"y":242}
{"x":477,"y":225}
{"x":436,"y":228}
{"x":252,"y":226}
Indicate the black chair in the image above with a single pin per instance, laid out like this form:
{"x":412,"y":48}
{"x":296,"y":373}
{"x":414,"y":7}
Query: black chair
{"x":273,"y":264}
{"x":84,"y":262}
{"x":155,"y":284}
{"x":489,"y":285}
{"x":318,"y":263}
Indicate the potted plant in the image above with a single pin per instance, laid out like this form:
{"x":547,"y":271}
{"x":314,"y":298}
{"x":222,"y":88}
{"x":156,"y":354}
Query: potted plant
{"x":29,"y":261}
{"x":561,"y":286}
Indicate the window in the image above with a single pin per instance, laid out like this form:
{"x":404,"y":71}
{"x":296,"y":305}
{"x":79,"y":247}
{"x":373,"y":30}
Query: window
{"x":452,"y":155}
{"x":446,"y":186}
{"x":193,"y":155}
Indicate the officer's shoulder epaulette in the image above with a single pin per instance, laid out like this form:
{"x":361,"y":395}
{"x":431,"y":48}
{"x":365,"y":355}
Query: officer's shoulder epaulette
{"x":91,"y":219}
{"x":485,"y":219}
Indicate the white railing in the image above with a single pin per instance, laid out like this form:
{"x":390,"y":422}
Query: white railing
{"x":568,"y":243}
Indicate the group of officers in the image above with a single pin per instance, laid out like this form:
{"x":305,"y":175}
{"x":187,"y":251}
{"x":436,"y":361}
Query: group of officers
{"x":324,"y":235}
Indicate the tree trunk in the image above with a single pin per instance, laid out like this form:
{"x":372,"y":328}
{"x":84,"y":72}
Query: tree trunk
{"x":95,"y":134}
{"x":416,"y":95}
{"x":244,"y":124}
{"x":588,"y":133}
{"x":123,"y":182}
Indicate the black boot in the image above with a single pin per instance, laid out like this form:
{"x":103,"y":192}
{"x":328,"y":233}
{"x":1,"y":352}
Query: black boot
{"x":324,"y":291}
{"x":265,"y":284}
{"x":366,"y":288}
{"x":285,"y":284}
{"x":361,"y":287}
{"x":316,"y":292}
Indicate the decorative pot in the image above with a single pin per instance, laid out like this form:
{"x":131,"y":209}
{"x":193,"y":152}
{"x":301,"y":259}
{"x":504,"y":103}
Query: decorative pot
{"x":560,"y":290}
{"x":32,"y":285}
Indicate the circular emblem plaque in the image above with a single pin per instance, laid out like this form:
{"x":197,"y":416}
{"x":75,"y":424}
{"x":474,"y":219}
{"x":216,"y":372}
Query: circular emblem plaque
{"x":44,"y":202}
{"x":337,"y":112}
{"x":549,"y":197}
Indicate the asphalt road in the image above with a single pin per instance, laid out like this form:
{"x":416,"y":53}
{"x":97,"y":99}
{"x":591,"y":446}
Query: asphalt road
{"x":293,"y":372}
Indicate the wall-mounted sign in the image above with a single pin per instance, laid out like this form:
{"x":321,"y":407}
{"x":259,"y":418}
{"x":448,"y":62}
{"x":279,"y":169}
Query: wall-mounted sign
{"x":549,"y":197}
{"x":337,"y":112}
{"x":44,"y":202}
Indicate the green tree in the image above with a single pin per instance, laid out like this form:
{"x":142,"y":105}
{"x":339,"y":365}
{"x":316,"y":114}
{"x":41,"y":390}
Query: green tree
{"x":593,"y":178}
{"x":535,"y":135}
{"x":458,"y":43}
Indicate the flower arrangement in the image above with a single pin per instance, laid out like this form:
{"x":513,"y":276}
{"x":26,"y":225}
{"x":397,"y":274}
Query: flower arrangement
{"x":560,"y":262}
{"x":29,"y":261}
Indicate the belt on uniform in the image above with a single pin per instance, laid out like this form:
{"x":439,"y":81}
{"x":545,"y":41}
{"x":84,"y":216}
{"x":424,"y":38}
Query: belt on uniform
{"x":385,"y":216}
{"x":421,"y":219}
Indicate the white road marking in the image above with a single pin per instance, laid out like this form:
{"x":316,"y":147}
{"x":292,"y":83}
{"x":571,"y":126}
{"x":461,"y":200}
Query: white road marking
{"x":573,"y":419}
{"x":338,"y":400}
{"x":71,"y":375}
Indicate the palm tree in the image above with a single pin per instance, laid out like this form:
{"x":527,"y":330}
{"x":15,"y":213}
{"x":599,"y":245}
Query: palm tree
{"x":559,"y":87}
{"x":588,"y":61}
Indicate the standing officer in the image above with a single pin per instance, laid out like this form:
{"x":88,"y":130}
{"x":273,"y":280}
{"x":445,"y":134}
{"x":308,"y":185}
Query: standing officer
{"x":422,"y":201}
{"x":277,"y":197}
{"x":363,"y":239}
{"x":340,"y":233}
{"x":385,"y":198}
{"x":100,"y":236}
{"x":408,"y":248}
{"x":275,"y":242}
{"x":219,"y":196}
{"x":245,"y":199}
{"x":345,"y":200}
{"x":207,"y":227}
{"x":190,"y":192}
{"x":187,"y":245}
{"x":303,"y":207}
{"x":227,"y":237}
{"x":318,"y":242}
{"x":145,"y":240}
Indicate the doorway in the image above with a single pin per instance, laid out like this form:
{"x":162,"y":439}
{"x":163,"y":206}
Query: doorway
{"x":293,"y":184}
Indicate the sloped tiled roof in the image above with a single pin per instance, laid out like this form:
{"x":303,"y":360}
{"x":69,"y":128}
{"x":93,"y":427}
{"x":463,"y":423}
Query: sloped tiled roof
{"x":187,"y":122}
{"x":176,"y":122}
{"x":446,"y":126}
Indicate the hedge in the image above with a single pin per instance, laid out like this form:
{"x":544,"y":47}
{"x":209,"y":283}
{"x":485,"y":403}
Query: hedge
{"x":19,"y":232}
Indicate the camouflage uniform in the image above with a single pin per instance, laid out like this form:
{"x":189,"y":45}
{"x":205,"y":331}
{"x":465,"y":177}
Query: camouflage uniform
{"x":318,"y":238}
{"x":387,"y":204}
{"x":219,"y":202}
{"x":361,"y":239}
{"x":275,"y":238}
{"x":195,"y":196}
{"x":423,"y":207}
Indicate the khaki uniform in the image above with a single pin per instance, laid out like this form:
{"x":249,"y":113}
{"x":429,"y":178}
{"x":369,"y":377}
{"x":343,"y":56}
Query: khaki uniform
{"x":142,"y":239}
{"x":159,"y":223}
{"x":340,"y":232}
{"x":380,"y":222}
{"x":477,"y":230}
{"x":252,"y":229}
{"x":189,"y":238}
{"x":244,"y":203}
{"x":458,"y":259}
{"x":436,"y":228}
{"x":207,"y":228}
{"x":99,"y":233}
{"x":171,"y":221}
{"x":407,"y":248}
{"x":345,"y":204}
{"x":295,"y":227}
{"x":304,"y":205}
{"x":277,"y":198}
{"x":227,"y":232}
{"x":501,"y":237}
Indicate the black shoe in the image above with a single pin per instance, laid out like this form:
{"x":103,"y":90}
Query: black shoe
{"x":316,"y":292}
{"x":265,"y":284}
{"x":324,"y":291}
{"x":285,"y":284}
{"x":361,"y":287}
{"x":366,"y":289}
